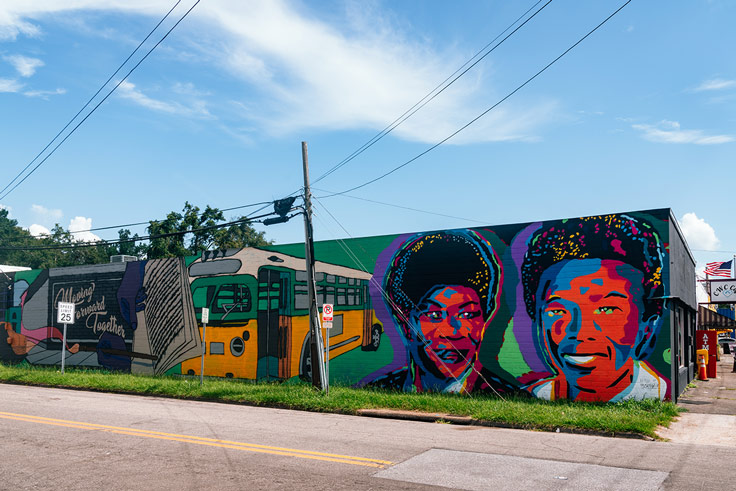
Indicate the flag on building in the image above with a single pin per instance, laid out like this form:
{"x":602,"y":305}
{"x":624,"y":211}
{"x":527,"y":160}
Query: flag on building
{"x":719,"y":268}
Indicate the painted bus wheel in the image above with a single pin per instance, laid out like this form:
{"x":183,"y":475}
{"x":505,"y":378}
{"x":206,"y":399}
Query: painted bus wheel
{"x":375,"y":339}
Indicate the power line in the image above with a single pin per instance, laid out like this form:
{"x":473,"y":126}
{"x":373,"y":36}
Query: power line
{"x":92,"y":98}
{"x":125,"y":225}
{"x":421,"y":154}
{"x":405,"y":207}
{"x":437,"y":90}
{"x":99,"y":103}
{"x":105,"y":243}
{"x":251,"y":205}
{"x":710,"y":250}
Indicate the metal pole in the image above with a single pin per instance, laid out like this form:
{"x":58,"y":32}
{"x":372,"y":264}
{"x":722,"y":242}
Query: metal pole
{"x":318,"y":367}
{"x":204,"y":348}
{"x":63,"y":349}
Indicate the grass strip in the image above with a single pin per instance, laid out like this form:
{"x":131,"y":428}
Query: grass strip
{"x":637,"y":417}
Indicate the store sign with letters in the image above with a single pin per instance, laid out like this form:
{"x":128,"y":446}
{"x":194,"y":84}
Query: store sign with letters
{"x":723,"y":291}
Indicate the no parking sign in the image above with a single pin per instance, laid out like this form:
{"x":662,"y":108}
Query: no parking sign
{"x":327,"y":315}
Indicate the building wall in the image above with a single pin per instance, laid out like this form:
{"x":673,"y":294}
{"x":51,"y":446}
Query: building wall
{"x":684,"y":305}
{"x":556,"y":309}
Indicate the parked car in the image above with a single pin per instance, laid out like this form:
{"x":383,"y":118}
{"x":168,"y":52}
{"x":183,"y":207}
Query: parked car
{"x":728,"y":344}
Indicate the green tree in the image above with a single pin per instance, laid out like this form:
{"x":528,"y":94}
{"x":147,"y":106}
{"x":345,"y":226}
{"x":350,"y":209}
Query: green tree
{"x":128,"y":245}
{"x":239,"y":235}
{"x":12,"y":240}
{"x":19,"y":248}
{"x":65,"y":250}
{"x":167,"y":246}
{"x":204,"y":233}
{"x":59,"y":248}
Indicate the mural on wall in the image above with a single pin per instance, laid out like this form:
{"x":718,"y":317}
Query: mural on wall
{"x":441,"y":289}
{"x":594,"y":290}
{"x":557,"y":309}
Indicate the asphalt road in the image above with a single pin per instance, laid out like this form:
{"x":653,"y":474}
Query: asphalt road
{"x":62,"y":439}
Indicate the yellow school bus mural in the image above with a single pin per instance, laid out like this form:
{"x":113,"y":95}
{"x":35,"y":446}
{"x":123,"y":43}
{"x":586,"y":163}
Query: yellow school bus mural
{"x":259,"y":313}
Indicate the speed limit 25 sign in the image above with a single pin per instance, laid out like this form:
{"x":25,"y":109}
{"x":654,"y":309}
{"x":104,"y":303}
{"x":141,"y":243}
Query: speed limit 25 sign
{"x":65,"y":313}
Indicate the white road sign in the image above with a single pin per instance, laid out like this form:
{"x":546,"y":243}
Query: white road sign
{"x":327,"y":312}
{"x":205,"y":315}
{"x":65,"y":313}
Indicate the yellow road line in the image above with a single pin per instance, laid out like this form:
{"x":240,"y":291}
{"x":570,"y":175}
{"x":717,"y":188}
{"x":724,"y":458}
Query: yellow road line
{"x":249,"y":447}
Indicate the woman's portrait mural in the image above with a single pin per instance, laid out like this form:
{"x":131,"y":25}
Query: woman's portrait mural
{"x":441,"y":290}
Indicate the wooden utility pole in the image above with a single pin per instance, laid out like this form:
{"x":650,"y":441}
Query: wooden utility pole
{"x":317,"y":352}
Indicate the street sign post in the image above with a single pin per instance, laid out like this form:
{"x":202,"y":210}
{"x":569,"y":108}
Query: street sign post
{"x":205,"y":320}
{"x":64,"y":315}
{"x":327,"y":317}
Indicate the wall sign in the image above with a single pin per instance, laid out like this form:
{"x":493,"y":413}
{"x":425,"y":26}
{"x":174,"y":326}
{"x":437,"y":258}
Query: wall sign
{"x":723,"y":291}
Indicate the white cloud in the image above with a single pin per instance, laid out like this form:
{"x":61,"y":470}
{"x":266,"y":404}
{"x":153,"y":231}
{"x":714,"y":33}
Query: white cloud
{"x":188,"y":89}
{"x":10,"y":85}
{"x":195,"y":107}
{"x":698,"y":233}
{"x":306,"y":69}
{"x":11,"y":24}
{"x":24,"y":65}
{"x":79,"y":226}
{"x":43,"y":94}
{"x":17,"y":17}
{"x":715,"y":84}
{"x":47,"y":214}
{"x":357,"y":75}
{"x":37,"y":230}
{"x":670,"y":132}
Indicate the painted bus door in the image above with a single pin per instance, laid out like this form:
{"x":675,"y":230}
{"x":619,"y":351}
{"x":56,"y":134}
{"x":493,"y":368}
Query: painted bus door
{"x":367,"y":317}
{"x":274,"y":324}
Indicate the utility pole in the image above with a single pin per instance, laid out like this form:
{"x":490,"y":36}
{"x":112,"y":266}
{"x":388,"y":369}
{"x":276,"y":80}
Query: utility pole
{"x":318,"y":365}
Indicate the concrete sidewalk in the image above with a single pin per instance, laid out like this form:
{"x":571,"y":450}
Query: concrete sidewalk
{"x":711,"y":410}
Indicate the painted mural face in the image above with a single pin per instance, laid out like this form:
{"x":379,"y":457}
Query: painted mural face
{"x":450,"y":320}
{"x":594,"y":290}
{"x":441,"y":291}
{"x":591,"y":313}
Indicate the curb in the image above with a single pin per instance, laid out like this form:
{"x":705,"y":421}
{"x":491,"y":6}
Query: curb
{"x":417,"y":416}
{"x":396,"y":414}
{"x":468,"y":421}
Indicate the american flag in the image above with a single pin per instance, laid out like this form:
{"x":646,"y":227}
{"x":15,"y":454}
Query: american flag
{"x":719,"y":268}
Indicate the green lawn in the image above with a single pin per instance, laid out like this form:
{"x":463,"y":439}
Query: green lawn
{"x":639,"y":417}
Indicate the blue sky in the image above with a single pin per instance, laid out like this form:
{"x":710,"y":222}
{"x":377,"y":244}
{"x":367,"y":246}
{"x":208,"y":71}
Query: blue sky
{"x":640,"y":115}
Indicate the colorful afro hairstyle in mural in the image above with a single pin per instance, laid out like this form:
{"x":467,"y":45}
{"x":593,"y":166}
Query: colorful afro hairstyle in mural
{"x":428,"y":261}
{"x":617,"y":237}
